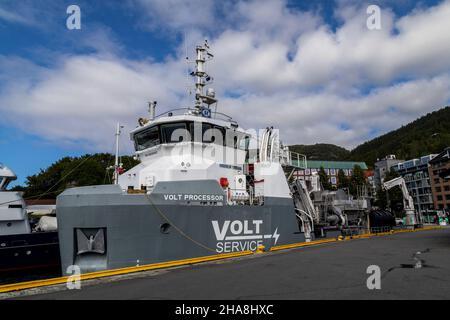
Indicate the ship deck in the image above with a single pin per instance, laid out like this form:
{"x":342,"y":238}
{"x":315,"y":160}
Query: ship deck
{"x":334,"y":270}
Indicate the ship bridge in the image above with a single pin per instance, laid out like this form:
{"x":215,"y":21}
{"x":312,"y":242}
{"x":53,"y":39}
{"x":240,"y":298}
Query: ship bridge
{"x":199,"y":143}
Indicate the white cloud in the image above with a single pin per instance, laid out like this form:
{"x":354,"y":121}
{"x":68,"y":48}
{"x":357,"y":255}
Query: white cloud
{"x":347,"y":121}
{"x":35,"y":14}
{"x":290,"y":69}
{"x":163,"y":14}
{"x":351,"y":56}
{"x":13,"y":17}
{"x":81,"y":100}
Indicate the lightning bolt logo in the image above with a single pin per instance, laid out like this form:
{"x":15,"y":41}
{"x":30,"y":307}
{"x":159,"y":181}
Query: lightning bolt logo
{"x":276,"y":235}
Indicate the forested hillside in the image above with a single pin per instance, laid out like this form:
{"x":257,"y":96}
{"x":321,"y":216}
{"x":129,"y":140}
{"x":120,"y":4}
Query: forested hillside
{"x":428,"y":134}
{"x":321,"y":151}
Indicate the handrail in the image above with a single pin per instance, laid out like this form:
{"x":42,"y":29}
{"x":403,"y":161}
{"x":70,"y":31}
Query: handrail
{"x":300,"y":160}
{"x":213,"y":113}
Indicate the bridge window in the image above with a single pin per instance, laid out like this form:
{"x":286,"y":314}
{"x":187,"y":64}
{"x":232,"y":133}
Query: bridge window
{"x":147,"y":138}
{"x":244,"y":143}
{"x":209,"y":133}
{"x":237,"y":140}
{"x":214,"y":135}
{"x":175,"y":132}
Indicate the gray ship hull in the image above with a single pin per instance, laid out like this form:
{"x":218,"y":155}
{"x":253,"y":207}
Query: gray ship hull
{"x":102,"y":227}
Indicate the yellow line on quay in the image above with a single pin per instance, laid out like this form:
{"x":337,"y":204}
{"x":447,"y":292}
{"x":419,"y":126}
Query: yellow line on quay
{"x":114,"y":272}
{"x":347,"y":238}
{"x":121,"y":271}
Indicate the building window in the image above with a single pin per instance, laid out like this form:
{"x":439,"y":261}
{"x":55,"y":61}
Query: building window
{"x":447,"y":188}
{"x":439,"y":198}
{"x":438,"y":189}
{"x":436,"y":180}
{"x":447,"y":197}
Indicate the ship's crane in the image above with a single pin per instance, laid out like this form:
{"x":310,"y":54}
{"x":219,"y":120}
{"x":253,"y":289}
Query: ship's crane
{"x":408,"y":202}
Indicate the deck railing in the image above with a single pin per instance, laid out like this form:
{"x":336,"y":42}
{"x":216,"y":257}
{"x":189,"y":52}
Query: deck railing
{"x":194,"y":111}
{"x":294,"y":159}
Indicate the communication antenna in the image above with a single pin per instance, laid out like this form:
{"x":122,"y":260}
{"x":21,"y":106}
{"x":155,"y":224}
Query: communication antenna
{"x":187,"y":64}
{"x":117,"y":165}
{"x":202,"y":78}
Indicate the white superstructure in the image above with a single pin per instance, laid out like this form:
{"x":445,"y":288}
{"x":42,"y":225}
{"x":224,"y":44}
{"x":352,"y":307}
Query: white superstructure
{"x":200,"y":144}
{"x":13,"y":216}
{"x":6,"y":176}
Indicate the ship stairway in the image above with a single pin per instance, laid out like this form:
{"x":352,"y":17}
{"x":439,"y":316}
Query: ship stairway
{"x":304,"y":208}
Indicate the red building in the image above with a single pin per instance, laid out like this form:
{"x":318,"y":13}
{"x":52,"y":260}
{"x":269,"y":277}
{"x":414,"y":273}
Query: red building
{"x":439,"y":171}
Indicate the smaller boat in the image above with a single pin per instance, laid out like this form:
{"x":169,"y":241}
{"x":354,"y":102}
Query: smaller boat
{"x":25,"y":243}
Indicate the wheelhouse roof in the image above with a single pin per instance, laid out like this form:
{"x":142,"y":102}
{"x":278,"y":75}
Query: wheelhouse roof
{"x":186,"y":117}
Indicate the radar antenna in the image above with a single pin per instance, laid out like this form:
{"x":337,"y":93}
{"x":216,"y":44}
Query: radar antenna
{"x":202,"y":78}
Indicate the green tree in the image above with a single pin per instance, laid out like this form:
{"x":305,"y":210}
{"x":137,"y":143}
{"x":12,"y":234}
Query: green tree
{"x":17,"y":188}
{"x":392,"y":199}
{"x":381,"y":199}
{"x":320,"y":151}
{"x":357,"y":180}
{"x":343,"y":181}
{"x":324,"y":179}
{"x":74,"y":172}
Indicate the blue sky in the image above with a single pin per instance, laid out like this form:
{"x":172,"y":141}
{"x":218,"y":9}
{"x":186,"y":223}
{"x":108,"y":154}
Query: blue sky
{"x":310,"y":68}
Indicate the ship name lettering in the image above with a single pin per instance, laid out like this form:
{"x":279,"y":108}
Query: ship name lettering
{"x":193,"y":197}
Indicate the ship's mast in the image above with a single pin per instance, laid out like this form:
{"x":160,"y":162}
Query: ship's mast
{"x":116,"y":161}
{"x":202,"y":78}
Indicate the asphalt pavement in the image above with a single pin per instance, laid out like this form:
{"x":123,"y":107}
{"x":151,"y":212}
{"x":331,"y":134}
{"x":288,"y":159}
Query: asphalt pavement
{"x":412,"y":265}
